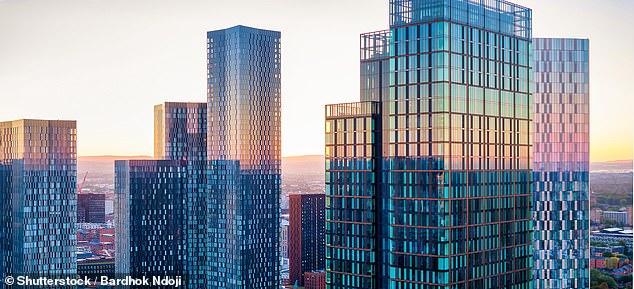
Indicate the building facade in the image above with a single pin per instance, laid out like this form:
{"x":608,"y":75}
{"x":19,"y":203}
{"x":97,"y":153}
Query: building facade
{"x":307,"y":247}
{"x":244,"y":152}
{"x":621,"y":218}
{"x":180,"y":134}
{"x":315,"y":280}
{"x":613,"y":236}
{"x":38,"y":165}
{"x":284,"y":226}
{"x":95,"y":267}
{"x":151,"y":205}
{"x":428,"y":177}
{"x":561,"y":137}
{"x":91,"y":208}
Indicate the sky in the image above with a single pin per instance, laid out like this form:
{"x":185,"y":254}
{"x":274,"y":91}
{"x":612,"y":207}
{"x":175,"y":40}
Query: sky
{"x":106,"y":63}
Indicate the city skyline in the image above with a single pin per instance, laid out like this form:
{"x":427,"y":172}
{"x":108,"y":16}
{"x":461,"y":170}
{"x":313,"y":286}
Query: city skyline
{"x":109,"y":58}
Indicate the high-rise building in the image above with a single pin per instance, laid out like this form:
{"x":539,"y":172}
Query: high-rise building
{"x":38,"y":183}
{"x":91,"y":208}
{"x":428,"y":177}
{"x":172,"y":187}
{"x":151,"y":219}
{"x":180,"y":133}
{"x":307,"y":247}
{"x":244,"y":145}
{"x":561,"y":163}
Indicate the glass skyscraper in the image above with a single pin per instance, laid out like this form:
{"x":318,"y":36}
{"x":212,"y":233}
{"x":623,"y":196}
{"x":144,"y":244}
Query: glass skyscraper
{"x":244,"y":152}
{"x":38,"y":183}
{"x":180,"y":133}
{"x":428,"y":177}
{"x":172,"y":186}
{"x":151,"y":219}
{"x":561,"y":163}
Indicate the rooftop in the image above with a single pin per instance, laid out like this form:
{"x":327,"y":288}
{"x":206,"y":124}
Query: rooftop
{"x":494,"y":15}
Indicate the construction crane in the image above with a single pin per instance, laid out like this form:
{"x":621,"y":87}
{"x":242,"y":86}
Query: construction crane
{"x":82,"y":184}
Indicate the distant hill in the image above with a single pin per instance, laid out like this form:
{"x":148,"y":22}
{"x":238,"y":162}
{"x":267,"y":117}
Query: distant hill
{"x":612,"y":166}
{"x":101,"y":168}
{"x":303,"y":165}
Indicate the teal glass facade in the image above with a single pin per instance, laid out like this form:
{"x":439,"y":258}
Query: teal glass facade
{"x":561,"y":163}
{"x":244,"y":153}
{"x":443,"y":184}
{"x":38,"y":182}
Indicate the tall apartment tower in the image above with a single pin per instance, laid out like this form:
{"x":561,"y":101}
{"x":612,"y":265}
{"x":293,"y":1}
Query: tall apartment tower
{"x":244,"y":152}
{"x":180,"y":133}
{"x":428,"y":177}
{"x":38,"y":188}
{"x":307,"y":247}
{"x":161,"y":204}
{"x":151,"y":219}
{"x":561,"y":138}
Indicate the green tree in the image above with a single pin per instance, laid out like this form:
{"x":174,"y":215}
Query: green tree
{"x":600,"y":280}
{"x":607,"y":254}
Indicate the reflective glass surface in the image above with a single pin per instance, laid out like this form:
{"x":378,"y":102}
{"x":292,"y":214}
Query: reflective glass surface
{"x":444,"y":181}
{"x":561,"y":163}
{"x":244,"y":152}
{"x":38,"y":182}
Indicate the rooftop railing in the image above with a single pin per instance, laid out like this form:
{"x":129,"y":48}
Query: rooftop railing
{"x":494,"y":15}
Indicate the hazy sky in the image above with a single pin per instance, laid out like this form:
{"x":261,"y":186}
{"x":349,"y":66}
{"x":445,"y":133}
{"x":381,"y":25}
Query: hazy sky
{"x":106,"y":63}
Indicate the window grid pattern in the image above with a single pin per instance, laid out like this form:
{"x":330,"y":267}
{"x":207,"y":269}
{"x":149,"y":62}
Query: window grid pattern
{"x":181,"y":134}
{"x":38,"y":174}
{"x":561,"y":203}
{"x":307,"y":237}
{"x":455,"y":158}
{"x":351,"y":194}
{"x":151,"y":220}
{"x":244,"y":152}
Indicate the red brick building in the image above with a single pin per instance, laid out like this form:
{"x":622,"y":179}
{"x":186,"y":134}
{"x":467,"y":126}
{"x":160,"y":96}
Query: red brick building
{"x":315,"y":280}
{"x":598,"y":263}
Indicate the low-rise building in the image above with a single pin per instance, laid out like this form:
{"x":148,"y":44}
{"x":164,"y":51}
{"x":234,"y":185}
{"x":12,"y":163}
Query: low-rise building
{"x":315,"y":280}
{"x":598,"y":251}
{"x":598,"y":263}
{"x":95,"y":267}
{"x":613,"y":236}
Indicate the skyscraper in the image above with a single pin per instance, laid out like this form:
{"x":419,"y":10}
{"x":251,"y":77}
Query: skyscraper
{"x":91,"y":208}
{"x":172,"y":187}
{"x":244,"y":158}
{"x":151,"y":219}
{"x":428,"y":177}
{"x":561,"y":163}
{"x":180,"y":133}
{"x":307,"y":247}
{"x":38,"y":183}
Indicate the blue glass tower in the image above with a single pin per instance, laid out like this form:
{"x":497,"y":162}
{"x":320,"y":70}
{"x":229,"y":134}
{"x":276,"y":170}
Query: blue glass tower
{"x":151,"y":219}
{"x":38,"y":182}
{"x":172,"y":187}
{"x":244,"y":152}
{"x":180,"y":133}
{"x":428,"y":177}
{"x":561,"y":159}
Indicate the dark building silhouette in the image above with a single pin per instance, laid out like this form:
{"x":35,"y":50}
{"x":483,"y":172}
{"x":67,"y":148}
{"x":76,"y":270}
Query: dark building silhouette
{"x":91,"y":208}
{"x":307,"y":247}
